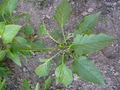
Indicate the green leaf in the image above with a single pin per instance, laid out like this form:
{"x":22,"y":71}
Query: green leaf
{"x":63,"y":74}
{"x":20,"y":40}
{"x":37,"y":87}
{"x":26,"y":85}
{"x":20,"y":43}
{"x":62,"y":13}
{"x":7,"y":6}
{"x":2,"y":54}
{"x":39,"y":45}
{"x":57,"y":35}
{"x":10,"y":32}
{"x":28,"y":29}
{"x":2,"y":84}
{"x":85,"y":44}
{"x":3,"y":71}
{"x":87,"y":24}
{"x":2,"y":27}
{"x":47,"y":83}
{"x":14,"y":57}
{"x":27,"y":17}
{"x":42,"y":29}
{"x":85,"y":69}
{"x":43,"y":69}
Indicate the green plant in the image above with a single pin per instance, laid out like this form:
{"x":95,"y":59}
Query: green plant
{"x":2,"y":84}
{"x":76,"y":46}
{"x":17,"y":41}
{"x":47,"y":83}
{"x":3,"y":70}
{"x":7,"y":7}
{"x":26,"y":85}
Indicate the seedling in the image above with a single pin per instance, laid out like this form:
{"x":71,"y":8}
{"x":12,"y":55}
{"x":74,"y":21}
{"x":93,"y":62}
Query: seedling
{"x":76,"y":45}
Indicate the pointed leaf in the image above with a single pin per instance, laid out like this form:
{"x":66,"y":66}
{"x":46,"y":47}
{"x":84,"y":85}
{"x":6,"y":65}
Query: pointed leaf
{"x":27,"y":17}
{"x":39,"y":45}
{"x":7,"y":6}
{"x":2,"y":54}
{"x":42,"y":29}
{"x":43,"y":69}
{"x":85,"y":44}
{"x":20,"y":43}
{"x":47,"y":83}
{"x":10,"y":32}
{"x":85,"y":69}
{"x":14,"y":57}
{"x":2,"y":84}
{"x":62,"y":13}
{"x":3,"y":71}
{"x":63,"y":74}
{"x":87,"y":24}
{"x":26,"y":85}
{"x":28,"y":29}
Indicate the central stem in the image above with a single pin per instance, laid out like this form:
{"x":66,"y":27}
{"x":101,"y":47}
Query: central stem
{"x":63,"y":34}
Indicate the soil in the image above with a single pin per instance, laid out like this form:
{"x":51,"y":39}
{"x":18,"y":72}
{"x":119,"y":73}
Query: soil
{"x":107,"y":60}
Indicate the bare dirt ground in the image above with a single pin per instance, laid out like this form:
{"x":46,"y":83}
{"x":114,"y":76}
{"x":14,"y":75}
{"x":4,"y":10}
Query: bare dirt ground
{"x":107,"y":60}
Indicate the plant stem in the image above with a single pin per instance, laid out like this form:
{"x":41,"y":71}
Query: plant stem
{"x":52,"y":38}
{"x":63,"y":34}
{"x":44,"y":49}
{"x":55,"y":55}
{"x":63,"y":58}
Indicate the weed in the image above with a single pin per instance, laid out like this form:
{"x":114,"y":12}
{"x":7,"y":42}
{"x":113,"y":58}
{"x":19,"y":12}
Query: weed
{"x":76,"y":45}
{"x":18,"y":41}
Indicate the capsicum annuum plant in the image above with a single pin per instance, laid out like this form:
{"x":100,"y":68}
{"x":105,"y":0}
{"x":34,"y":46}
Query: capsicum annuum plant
{"x":76,"y":45}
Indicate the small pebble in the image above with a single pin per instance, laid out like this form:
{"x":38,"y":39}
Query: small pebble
{"x":14,"y":12}
{"x":85,"y":13}
{"x":49,"y":52}
{"x":116,"y":74}
{"x":48,"y":16}
{"x":24,"y":69}
{"x":114,"y":3}
{"x":90,"y":10}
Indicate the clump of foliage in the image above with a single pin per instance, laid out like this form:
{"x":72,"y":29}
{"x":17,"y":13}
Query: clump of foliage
{"x":26,"y":85}
{"x":76,"y":45}
{"x":17,"y":41}
{"x":2,"y":84}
